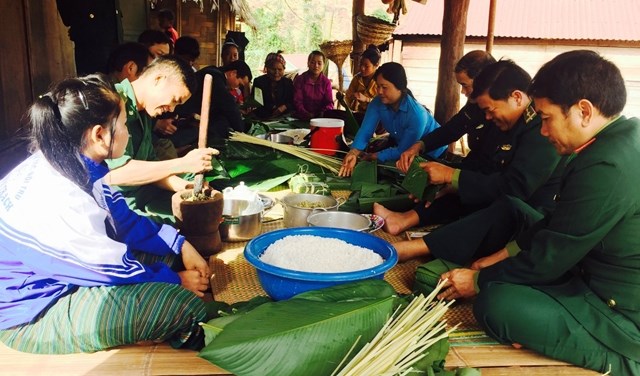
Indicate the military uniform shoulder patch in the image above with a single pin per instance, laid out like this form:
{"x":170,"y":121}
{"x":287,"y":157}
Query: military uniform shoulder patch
{"x":529,"y":113}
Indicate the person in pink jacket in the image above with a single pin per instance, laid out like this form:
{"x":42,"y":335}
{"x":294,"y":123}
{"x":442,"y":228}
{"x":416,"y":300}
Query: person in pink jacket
{"x":312,"y":93}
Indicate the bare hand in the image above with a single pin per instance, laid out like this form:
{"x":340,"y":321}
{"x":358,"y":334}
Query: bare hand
{"x":361,"y":97}
{"x":192,"y":260}
{"x":487,"y":261}
{"x":247,"y":110}
{"x":460,"y":284}
{"x":438,"y":173}
{"x":198,"y":160}
{"x":192,"y":281}
{"x":279,"y":111}
{"x":348,"y":164}
{"x":165,"y":126}
{"x":408,"y":156}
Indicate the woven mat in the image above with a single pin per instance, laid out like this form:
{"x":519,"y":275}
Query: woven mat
{"x":235,"y":280}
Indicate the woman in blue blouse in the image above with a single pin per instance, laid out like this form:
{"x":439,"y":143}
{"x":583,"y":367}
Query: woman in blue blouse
{"x":401,"y":115}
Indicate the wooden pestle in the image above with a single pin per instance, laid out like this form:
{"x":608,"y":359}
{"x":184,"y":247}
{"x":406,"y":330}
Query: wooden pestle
{"x":207,"y":87}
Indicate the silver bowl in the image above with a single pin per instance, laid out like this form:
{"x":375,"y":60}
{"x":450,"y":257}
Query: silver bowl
{"x":280,"y":138}
{"x":337,"y":219}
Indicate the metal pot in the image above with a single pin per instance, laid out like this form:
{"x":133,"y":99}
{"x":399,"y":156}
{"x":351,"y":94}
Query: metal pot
{"x":239,"y":226}
{"x":296,"y":212}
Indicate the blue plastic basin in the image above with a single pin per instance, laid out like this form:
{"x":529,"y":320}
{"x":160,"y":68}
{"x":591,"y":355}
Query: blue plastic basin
{"x":282,"y":283}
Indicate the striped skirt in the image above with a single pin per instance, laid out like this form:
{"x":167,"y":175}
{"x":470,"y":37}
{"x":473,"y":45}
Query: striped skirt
{"x":96,"y":318}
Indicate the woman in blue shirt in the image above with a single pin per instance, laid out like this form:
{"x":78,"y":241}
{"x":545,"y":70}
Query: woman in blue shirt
{"x":401,"y":115}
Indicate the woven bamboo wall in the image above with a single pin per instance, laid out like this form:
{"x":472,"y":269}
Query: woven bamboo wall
{"x":209,"y":28}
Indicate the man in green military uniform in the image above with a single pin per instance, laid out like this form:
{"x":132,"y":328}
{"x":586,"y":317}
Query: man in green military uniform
{"x":146,"y":183}
{"x":568,"y":286}
{"x":526,"y":165}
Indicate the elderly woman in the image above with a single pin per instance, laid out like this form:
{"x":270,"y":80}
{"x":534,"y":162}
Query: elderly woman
{"x":276,"y":89}
{"x":87,"y":273}
{"x":401,"y":115}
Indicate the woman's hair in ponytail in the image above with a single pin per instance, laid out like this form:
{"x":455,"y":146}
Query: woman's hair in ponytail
{"x":60,"y":118}
{"x":372,"y":53}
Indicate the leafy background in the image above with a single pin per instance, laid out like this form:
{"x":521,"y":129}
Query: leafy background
{"x":299,"y":26}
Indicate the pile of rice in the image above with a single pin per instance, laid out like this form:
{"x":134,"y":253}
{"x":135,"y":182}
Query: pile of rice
{"x":317,"y":254}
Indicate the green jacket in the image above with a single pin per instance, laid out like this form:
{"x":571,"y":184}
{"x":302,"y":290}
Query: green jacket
{"x":586,"y":253}
{"x":140,"y":125}
{"x":531,"y":168}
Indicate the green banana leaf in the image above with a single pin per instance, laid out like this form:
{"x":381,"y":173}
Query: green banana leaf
{"x":258,"y":129}
{"x":234,"y":150}
{"x":428,"y":275}
{"x":264,"y":174}
{"x":351,"y":125}
{"x":416,"y":182}
{"x":364,"y":172}
{"x":306,"y":335}
{"x":369,"y":289}
{"x":335,"y":182}
{"x":375,"y":190}
{"x":416,"y":179}
{"x":398,"y":202}
{"x":225,"y":314}
{"x":433,"y":362}
{"x":266,"y":185}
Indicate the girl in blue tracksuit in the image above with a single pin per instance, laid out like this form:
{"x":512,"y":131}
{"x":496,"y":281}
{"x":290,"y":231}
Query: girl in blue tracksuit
{"x":79,"y":271}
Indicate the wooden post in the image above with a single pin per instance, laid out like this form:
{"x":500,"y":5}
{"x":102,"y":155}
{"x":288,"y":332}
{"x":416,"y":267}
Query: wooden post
{"x":491,"y":25}
{"x":358,"y":46}
{"x":454,"y":27}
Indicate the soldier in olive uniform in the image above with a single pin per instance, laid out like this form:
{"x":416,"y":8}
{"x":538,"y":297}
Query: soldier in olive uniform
{"x":146,"y":183}
{"x":524,"y":164}
{"x":470,"y":120}
{"x":568,"y":286}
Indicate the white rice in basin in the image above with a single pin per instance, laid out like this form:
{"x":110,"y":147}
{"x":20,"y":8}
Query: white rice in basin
{"x":309,"y":253}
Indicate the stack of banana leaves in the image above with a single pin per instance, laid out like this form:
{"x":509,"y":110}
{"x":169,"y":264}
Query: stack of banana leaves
{"x":372,"y":182}
{"x":318,"y":332}
{"x":264,"y":168}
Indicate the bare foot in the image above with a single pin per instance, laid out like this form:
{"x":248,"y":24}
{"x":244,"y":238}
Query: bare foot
{"x":516,"y":345}
{"x":395,"y":223}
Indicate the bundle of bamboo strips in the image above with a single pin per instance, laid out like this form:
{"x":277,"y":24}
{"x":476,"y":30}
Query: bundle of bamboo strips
{"x":330,"y":163}
{"x":403,"y":340}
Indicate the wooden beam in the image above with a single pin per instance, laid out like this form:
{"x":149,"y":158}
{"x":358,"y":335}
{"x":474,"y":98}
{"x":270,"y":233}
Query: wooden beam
{"x":358,"y":46}
{"x":491,"y":25}
{"x":454,"y":28}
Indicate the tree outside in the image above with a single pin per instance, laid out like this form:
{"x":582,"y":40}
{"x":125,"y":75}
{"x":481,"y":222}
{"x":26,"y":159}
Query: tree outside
{"x":300,"y":26}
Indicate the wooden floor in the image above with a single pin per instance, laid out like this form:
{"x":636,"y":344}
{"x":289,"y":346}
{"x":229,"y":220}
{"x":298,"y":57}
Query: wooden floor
{"x":161,"y":359}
